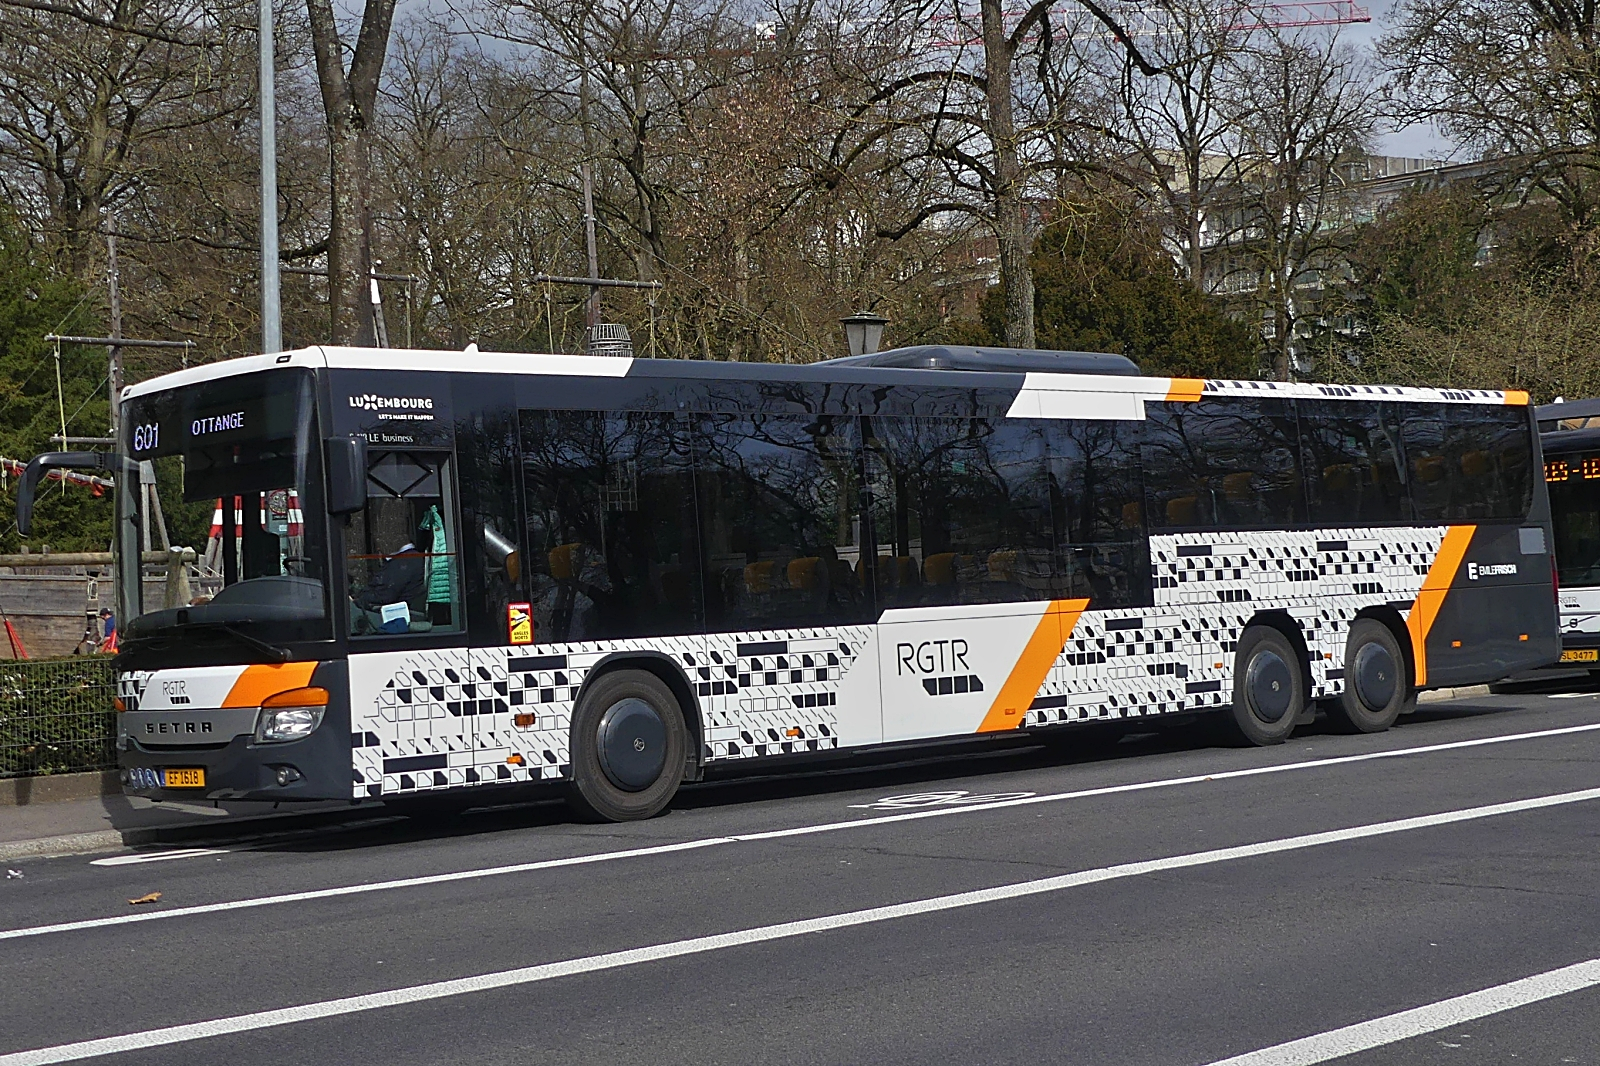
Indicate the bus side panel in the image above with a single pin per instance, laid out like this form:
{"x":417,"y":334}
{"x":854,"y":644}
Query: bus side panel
{"x":1499,"y":616}
{"x":437,"y":718}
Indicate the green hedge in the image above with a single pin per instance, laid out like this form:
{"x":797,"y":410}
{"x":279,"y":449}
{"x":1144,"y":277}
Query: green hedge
{"x":56,"y":716}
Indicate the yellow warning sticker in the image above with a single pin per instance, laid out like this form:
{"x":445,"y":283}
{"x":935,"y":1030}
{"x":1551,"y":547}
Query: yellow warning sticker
{"x":519,"y":623}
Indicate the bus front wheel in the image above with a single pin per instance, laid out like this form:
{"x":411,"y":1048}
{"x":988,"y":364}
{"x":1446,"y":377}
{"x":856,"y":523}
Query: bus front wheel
{"x":1377,"y":682}
{"x":629,"y":744}
{"x":1269,"y":689}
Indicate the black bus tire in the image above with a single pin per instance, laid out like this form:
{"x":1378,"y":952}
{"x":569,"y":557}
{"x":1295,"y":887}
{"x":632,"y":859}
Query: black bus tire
{"x":1269,"y":688}
{"x":1377,"y":682}
{"x":629,"y":743}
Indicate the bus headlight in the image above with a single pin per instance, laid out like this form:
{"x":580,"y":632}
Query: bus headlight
{"x":292,"y":715}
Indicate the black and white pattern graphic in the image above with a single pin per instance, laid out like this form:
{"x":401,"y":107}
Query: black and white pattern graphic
{"x":444,"y":718}
{"x":1178,"y":655}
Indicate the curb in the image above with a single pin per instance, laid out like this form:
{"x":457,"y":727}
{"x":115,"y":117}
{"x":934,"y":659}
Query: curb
{"x":71,"y":844}
{"x":235,"y":831}
{"x":54,"y":788}
{"x":1442,"y":695}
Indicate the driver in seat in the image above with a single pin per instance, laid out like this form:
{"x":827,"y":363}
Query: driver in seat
{"x":385,"y":604}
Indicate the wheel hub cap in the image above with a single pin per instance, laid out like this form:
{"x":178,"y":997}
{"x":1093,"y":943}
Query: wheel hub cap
{"x":1269,"y":686}
{"x":1375,"y":676}
{"x":632,"y":744}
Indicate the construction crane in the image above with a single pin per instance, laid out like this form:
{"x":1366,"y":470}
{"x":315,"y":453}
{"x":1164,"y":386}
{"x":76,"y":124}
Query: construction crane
{"x":959,"y":30}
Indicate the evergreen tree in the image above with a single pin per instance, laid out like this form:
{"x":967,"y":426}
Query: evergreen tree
{"x":1104,"y":283}
{"x":35,"y":299}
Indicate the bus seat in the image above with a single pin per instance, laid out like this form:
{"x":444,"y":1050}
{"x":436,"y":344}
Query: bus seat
{"x":1238,"y":487}
{"x":906,"y":572}
{"x":805,"y":573}
{"x":1428,"y":467}
{"x":562,"y":560}
{"x":1475,"y":463}
{"x":1002,"y":565}
{"x":758,"y":576}
{"x":1340,"y":477}
{"x":940,"y":569}
{"x":1183,"y":510}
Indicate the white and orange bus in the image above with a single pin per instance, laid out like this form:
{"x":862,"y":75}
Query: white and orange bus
{"x":619,"y":574}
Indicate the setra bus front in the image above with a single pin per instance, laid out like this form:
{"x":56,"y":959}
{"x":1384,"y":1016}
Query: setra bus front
{"x":230,"y":684}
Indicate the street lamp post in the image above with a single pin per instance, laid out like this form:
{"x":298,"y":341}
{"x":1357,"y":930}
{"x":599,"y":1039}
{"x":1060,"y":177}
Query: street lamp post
{"x":864,"y":331}
{"x":271,"y":311}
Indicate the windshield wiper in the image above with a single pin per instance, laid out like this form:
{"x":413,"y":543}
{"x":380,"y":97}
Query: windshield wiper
{"x":273,"y":651}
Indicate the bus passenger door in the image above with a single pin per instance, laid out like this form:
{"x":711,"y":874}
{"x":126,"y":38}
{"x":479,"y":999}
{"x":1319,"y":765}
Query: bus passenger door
{"x":963,"y":573}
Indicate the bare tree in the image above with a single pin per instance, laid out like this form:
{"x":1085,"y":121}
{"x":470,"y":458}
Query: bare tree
{"x":349,"y":103}
{"x":1304,"y":110}
{"x":1513,"y":79}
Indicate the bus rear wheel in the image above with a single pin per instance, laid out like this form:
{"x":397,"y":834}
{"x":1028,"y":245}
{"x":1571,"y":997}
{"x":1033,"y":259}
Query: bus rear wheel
{"x":1269,"y":688}
{"x":629,"y":744}
{"x":1377,"y":683}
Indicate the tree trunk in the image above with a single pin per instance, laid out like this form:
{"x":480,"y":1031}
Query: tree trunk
{"x":1010,"y":220}
{"x":349,"y":102}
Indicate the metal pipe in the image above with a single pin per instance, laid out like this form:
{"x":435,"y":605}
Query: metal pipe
{"x":271,"y":309}
{"x":87,"y":558}
{"x":606,"y":283}
{"x":120,"y":342}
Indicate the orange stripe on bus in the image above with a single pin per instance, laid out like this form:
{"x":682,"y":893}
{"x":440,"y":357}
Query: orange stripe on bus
{"x":1517,"y":397}
{"x":1185,"y":390}
{"x":262,"y":680}
{"x":1010,"y":706}
{"x":1425,"y":608}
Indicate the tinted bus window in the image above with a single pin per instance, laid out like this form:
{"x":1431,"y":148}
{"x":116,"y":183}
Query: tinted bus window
{"x":962,"y":511}
{"x":1353,"y":467}
{"x":610,"y":525}
{"x":1100,"y":524}
{"x":1468,"y":462}
{"x":1223,"y":464}
{"x":781,"y":521}
{"x":1574,"y":483}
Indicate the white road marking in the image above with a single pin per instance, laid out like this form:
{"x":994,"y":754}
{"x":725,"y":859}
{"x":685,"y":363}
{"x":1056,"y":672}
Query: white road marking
{"x":774,"y":834}
{"x":1392,"y":1028}
{"x":178,"y":1034}
{"x":156,"y":856}
{"x":948,"y":798}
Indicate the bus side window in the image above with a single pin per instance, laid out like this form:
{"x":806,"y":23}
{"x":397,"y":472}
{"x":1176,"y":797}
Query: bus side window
{"x":780,"y":520}
{"x":962,"y":511}
{"x":1223,"y":464}
{"x":401,"y":553}
{"x":1352,"y":463}
{"x":1100,"y":514}
{"x":612,"y":544}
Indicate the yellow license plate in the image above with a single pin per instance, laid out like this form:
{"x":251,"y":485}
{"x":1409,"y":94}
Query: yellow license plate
{"x":187,"y":778}
{"x":1581,"y":655}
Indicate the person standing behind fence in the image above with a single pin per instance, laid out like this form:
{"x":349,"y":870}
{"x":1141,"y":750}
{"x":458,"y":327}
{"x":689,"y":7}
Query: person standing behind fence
{"x":108,"y":639}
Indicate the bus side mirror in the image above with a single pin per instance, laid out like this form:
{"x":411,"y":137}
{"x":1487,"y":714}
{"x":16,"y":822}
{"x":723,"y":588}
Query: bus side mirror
{"x":347,"y":474}
{"x":39,"y":464}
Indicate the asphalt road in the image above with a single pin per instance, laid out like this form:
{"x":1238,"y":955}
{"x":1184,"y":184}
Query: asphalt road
{"x":1166,"y":902}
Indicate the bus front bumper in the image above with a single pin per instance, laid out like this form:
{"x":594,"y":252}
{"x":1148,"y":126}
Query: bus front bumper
{"x":315,"y":768}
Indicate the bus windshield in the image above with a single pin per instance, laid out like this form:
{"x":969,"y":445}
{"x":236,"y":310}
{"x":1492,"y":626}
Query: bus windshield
{"x":229,"y":470}
{"x":1574,"y":483}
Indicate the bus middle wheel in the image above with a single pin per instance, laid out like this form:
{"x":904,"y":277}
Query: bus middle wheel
{"x":1269,"y":689}
{"x":629,"y":744}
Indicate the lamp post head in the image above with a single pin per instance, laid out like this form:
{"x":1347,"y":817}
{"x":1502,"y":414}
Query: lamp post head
{"x":864,"y":331}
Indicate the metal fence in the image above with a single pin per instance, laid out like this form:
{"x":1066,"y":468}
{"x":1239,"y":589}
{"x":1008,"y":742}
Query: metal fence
{"x":56,"y":716}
